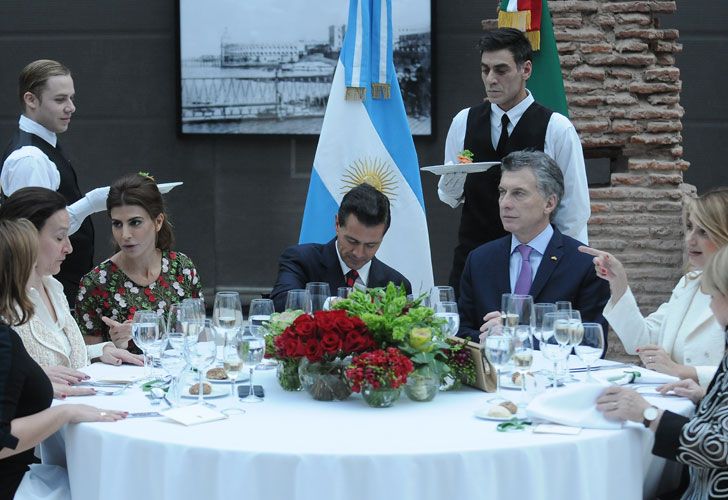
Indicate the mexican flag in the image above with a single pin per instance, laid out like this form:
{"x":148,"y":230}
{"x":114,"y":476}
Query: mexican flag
{"x":533,"y":18}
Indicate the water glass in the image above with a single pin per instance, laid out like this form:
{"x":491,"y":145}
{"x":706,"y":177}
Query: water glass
{"x":523,"y":353}
{"x":260,"y":313}
{"x":320,"y":292}
{"x":145,"y":332}
{"x":555,"y":336}
{"x":343,"y":292}
{"x":505,"y":303}
{"x":173,"y":362}
{"x":227,"y":315}
{"x":251,"y":349}
{"x":178,"y":316}
{"x":519,"y":311}
{"x":497,"y":349}
{"x":539,"y":310}
{"x":591,"y":346}
{"x":441,"y":293}
{"x":197,"y":305}
{"x":299,"y":300}
{"x":448,"y":311}
{"x":563,"y":305}
{"x":231,"y":362}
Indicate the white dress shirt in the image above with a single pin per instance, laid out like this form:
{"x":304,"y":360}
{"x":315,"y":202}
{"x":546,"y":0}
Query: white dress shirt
{"x":363,"y":278}
{"x":29,"y":166}
{"x":538,"y":244}
{"x":561,"y":143}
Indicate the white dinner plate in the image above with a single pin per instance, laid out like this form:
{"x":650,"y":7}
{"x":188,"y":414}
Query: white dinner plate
{"x":461,"y":168}
{"x":242,"y":377}
{"x":482,"y":413}
{"x":166,"y":187}
{"x":218,"y":391}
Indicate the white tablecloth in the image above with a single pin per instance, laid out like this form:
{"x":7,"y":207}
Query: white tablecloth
{"x":291,"y":447}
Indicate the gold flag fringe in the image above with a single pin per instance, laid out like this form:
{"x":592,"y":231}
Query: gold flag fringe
{"x":535,"y":38}
{"x":520,"y":20}
{"x":356,"y":93}
{"x":381,"y":90}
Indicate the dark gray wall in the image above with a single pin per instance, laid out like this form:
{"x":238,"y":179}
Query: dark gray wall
{"x":243,"y":195}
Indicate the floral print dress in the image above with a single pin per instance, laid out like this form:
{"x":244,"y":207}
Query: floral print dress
{"x":108,"y":291}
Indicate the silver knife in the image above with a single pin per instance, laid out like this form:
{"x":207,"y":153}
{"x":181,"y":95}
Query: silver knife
{"x":602,"y":367}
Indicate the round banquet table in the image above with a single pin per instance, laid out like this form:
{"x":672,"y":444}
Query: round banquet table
{"x":292,"y":447}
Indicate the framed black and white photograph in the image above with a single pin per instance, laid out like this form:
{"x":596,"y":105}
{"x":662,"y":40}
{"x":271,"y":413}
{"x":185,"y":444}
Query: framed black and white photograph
{"x":266,"y":66}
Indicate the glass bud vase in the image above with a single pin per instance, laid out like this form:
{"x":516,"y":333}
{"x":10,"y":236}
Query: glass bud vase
{"x":287,"y":375}
{"x":422,"y":384}
{"x":325,"y":380}
{"x":383,"y":397}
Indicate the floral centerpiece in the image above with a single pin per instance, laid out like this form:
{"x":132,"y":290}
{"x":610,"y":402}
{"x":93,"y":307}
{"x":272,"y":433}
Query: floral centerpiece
{"x":322,"y":341}
{"x":397,"y":321}
{"x":287,"y":369}
{"x":379,"y":374}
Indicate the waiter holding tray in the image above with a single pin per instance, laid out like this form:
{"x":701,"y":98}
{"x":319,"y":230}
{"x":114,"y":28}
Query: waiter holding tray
{"x":510,"y":120}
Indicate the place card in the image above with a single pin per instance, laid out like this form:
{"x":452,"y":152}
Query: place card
{"x":193,"y":415}
{"x":556,"y":429}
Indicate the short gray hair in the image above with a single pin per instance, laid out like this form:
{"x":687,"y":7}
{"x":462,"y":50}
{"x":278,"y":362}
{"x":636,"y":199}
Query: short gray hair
{"x":549,"y":179}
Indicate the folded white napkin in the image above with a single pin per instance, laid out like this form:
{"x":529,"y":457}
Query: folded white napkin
{"x":646,"y":376}
{"x":573,"y":405}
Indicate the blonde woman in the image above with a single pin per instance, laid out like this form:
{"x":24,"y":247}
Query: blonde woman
{"x":25,"y":390}
{"x":682,"y":337}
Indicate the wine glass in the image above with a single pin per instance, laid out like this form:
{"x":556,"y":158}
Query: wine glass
{"x":539,"y":310}
{"x":523,"y":353}
{"x":299,"y":300}
{"x":251,"y":350}
{"x":343,"y":292}
{"x":441,"y":293}
{"x":173,"y":362}
{"x":155,"y":348}
{"x":145,"y":331}
{"x":575,"y":328}
{"x":519,"y":311}
{"x":448,"y":311}
{"x":177,"y":317}
{"x":260,"y":313}
{"x":201,"y":350}
{"x":591,"y":346}
{"x":198,"y":306}
{"x":555,"y":336}
{"x":498,"y":349}
{"x":320,"y":292}
{"x":231,"y":362}
{"x":227,"y":314}
{"x":563,"y":305}
{"x":505,"y":301}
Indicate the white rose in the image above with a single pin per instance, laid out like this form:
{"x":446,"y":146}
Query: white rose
{"x":89,"y":325}
{"x":134,"y":289}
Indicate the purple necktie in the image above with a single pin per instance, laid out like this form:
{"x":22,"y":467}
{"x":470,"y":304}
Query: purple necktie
{"x":523,"y":283}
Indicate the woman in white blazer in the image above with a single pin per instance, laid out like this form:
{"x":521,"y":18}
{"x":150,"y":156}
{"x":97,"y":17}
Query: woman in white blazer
{"x":52,"y":337}
{"x":682,"y":337}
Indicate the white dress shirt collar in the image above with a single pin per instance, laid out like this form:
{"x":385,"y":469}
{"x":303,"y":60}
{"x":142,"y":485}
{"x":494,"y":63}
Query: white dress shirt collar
{"x":363,"y":278}
{"x":514,"y":114}
{"x":28,"y":125}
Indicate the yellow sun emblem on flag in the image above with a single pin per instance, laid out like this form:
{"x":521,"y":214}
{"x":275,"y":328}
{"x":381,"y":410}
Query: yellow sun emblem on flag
{"x":374,"y":172}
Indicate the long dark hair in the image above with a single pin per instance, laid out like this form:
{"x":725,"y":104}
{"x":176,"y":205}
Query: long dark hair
{"x":141,"y":190}
{"x":36,"y":204}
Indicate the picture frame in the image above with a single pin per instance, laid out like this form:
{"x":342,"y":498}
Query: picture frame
{"x":266,"y":66}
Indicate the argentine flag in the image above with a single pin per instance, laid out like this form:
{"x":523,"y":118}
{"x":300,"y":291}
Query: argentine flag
{"x":365,"y":137}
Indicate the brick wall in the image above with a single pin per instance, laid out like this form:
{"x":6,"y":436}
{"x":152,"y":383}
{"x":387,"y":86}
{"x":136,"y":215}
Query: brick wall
{"x":623,"y":90}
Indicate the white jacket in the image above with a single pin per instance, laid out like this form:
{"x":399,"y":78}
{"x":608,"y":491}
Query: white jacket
{"x":686,"y":316}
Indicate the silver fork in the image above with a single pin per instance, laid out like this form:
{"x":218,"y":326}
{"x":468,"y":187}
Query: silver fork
{"x":105,"y":392}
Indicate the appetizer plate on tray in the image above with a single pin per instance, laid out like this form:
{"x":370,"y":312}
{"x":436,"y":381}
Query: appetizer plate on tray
{"x":461,"y":168}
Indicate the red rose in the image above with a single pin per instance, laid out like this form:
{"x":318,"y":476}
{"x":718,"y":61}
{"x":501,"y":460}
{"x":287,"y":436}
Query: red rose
{"x":313,"y":350}
{"x":330,"y":342}
{"x":292,"y":347}
{"x":345,"y":324}
{"x":304,"y":325}
{"x":180,"y":279}
{"x":354,"y":342}
{"x":172,"y":255}
{"x":326,"y":322}
{"x":152,"y":298}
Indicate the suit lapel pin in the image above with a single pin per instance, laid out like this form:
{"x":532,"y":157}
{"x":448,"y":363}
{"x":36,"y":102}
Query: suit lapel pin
{"x":553,"y":257}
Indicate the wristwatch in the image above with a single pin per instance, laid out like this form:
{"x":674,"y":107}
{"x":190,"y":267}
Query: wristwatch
{"x":649,"y":414}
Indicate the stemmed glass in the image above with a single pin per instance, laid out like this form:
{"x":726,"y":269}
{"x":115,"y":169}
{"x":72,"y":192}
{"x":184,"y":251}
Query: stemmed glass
{"x":498,"y":349}
{"x":227,"y":315}
{"x":523,"y":352}
{"x":343,"y":292}
{"x":441,"y":293}
{"x":591,"y":346}
{"x":320,"y":292}
{"x":519,"y":311}
{"x":178,"y":316}
{"x":299,"y":300}
{"x":155,"y":348}
{"x":539,"y":310}
{"x":251,"y":349}
{"x":197,"y":305}
{"x":173,"y":362}
{"x":448,"y":311}
{"x":576,"y":329}
{"x":231,"y":362}
{"x":555,"y":336}
{"x":145,"y":332}
{"x":201,"y":350}
{"x":260,"y":313}
{"x":563,"y":305}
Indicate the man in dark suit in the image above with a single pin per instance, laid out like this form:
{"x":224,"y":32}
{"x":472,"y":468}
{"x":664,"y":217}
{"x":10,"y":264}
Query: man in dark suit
{"x":535,"y":259}
{"x":348,"y":259}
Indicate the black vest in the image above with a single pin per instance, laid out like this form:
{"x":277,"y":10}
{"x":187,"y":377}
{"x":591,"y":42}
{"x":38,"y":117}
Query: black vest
{"x":81,"y":260}
{"x":480,"y":219}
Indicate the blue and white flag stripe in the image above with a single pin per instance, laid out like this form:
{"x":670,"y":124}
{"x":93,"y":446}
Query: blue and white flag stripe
{"x":382,"y":44}
{"x":370,"y":135}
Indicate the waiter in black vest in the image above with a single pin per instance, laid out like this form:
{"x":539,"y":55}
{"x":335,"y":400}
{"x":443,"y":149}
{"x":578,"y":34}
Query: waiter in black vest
{"x":34,"y":158}
{"x":510,"y":120}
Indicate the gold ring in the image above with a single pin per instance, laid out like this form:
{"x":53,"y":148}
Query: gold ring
{"x":102,"y":414}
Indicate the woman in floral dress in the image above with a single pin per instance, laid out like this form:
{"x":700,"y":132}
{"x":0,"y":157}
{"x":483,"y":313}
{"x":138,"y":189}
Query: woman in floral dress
{"x":144,"y":274}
